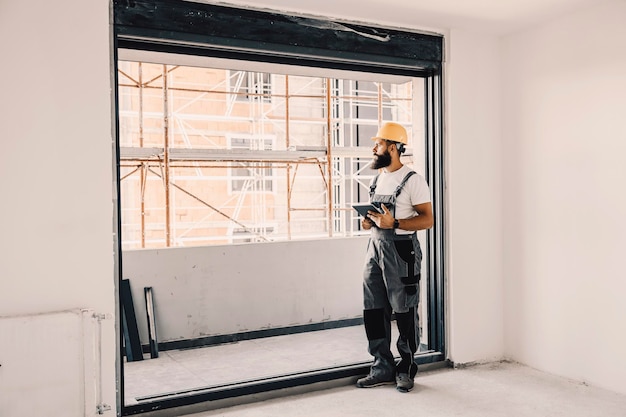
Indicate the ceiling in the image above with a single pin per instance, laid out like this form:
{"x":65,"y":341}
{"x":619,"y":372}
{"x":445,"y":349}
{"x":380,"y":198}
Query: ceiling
{"x":491,"y":16}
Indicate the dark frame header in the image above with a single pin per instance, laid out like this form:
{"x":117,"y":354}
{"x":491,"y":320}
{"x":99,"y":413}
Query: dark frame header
{"x":187,"y":27}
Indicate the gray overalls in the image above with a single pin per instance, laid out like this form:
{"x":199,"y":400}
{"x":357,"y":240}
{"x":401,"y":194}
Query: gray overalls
{"x":391,"y":283}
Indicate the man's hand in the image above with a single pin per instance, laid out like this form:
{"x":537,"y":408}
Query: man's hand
{"x":383,"y":220}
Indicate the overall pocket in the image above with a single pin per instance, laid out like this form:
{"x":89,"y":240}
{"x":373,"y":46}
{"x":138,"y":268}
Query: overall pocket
{"x":407,"y":254}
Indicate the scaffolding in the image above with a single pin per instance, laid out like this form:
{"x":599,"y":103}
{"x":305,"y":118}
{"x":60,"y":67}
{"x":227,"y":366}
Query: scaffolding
{"x":177,"y":120}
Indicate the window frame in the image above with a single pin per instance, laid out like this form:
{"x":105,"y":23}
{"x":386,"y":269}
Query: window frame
{"x":190,"y":28}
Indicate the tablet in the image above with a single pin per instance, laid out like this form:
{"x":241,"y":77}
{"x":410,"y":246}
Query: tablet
{"x":364,"y":208}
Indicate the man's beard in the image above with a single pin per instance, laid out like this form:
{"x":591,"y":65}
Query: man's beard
{"x":381,"y":161}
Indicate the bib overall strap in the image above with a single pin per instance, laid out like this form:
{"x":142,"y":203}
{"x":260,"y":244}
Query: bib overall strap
{"x":373,"y":187}
{"x":404,"y":180}
{"x":398,"y":190}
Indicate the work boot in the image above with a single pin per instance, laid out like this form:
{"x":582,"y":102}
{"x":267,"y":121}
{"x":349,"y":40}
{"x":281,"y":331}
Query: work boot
{"x":404,"y":383}
{"x":371,"y":380}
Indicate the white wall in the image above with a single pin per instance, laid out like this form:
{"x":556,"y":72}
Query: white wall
{"x":474,"y":187}
{"x":207,"y":291}
{"x":564,"y":137}
{"x":56,"y":176}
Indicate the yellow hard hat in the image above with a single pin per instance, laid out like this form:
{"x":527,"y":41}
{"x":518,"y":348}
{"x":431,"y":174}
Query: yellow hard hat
{"x":393,"y":132}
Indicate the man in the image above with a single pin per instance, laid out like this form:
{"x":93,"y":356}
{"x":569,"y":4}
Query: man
{"x":392,"y":270}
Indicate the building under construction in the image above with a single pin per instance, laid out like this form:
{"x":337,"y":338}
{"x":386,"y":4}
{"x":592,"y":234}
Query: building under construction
{"x":218,"y":156}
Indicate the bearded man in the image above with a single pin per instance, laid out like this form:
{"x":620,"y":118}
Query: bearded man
{"x":393,"y":262}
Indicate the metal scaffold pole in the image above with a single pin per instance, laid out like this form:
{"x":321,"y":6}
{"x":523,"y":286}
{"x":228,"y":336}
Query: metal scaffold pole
{"x":329,"y":158}
{"x":166,"y":158}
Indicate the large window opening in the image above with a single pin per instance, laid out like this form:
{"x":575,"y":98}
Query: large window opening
{"x":237,"y":168}
{"x":198,"y":163}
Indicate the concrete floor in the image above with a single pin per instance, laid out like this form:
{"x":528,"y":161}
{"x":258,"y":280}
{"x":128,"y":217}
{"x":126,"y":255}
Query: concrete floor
{"x":179,"y":370}
{"x":495,"y":389}
{"x":489,"y":390}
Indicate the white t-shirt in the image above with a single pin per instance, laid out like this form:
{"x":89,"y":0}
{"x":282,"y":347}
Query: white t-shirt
{"x":414,"y":192}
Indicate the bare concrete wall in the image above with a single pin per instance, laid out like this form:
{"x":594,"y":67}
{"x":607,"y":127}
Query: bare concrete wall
{"x":207,"y":291}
